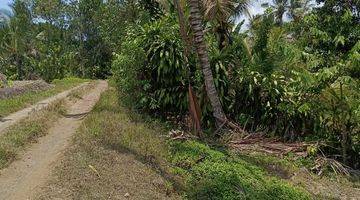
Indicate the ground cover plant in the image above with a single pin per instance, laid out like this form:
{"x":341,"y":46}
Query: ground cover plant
{"x":200,"y":172}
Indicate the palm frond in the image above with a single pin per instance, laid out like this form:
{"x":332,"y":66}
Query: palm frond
{"x":217,"y":9}
{"x":223,"y":10}
{"x":242,"y":7}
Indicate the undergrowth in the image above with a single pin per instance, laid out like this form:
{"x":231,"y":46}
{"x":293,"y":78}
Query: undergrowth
{"x":200,"y":171}
{"x":212,"y":174}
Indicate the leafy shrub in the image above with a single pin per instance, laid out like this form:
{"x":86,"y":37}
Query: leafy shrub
{"x":151,"y":67}
{"x":126,"y":68}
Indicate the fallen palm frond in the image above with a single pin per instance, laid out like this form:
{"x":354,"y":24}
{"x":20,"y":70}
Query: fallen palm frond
{"x":323,"y":163}
{"x":274,"y":146}
{"x":181,"y":135}
{"x":257,"y":142}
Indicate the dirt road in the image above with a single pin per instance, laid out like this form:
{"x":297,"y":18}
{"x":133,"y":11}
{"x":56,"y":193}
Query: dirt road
{"x":22,"y":177}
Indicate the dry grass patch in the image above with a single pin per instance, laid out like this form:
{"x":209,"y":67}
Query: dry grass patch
{"x":96,"y":172}
{"x":17,"y":137}
{"x":109,"y":159}
{"x":80,"y":92}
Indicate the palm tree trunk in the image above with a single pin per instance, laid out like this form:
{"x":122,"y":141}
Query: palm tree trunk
{"x":201,"y":50}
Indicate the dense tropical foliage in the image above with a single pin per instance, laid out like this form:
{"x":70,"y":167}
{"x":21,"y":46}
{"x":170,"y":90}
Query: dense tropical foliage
{"x":297,"y":79}
{"x":292,"y":72}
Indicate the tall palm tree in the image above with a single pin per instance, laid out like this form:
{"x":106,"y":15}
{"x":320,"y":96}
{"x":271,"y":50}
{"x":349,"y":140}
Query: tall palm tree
{"x":183,"y":26}
{"x":222,"y":13}
{"x":201,"y":50}
{"x":223,"y":10}
{"x":296,"y":9}
{"x":279,"y":10}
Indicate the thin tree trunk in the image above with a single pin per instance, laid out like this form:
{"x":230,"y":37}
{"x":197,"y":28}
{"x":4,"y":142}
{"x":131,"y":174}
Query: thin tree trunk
{"x":19,"y":67}
{"x":201,"y":50}
{"x":3,"y":80}
{"x":194,"y":108}
{"x":183,"y":30}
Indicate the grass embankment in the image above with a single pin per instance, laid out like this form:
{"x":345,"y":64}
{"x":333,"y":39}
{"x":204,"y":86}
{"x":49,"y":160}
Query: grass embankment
{"x":199,"y":171}
{"x":8,"y":106}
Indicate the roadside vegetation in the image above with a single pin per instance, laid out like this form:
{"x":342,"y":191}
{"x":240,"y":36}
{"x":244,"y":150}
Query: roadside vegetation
{"x":191,"y":168}
{"x":111,"y":149}
{"x":10,"y":105}
{"x":296,"y":80}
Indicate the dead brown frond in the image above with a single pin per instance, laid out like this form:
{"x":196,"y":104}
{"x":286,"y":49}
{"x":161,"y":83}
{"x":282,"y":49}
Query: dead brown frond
{"x":322,"y":163}
{"x":258,"y":142}
{"x":181,"y":135}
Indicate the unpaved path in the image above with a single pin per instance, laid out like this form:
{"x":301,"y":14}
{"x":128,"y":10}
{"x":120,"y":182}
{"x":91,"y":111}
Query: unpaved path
{"x":13,"y":118}
{"x":20,"y":179}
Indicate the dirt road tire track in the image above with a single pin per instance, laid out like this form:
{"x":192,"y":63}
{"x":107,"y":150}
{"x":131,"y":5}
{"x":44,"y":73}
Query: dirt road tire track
{"x":20,"y":180}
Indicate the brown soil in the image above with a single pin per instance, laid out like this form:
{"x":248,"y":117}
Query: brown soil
{"x":22,"y":177}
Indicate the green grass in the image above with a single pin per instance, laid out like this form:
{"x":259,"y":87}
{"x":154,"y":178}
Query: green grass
{"x":284,"y":167}
{"x":212,"y":174}
{"x":119,"y":128}
{"x":200,"y":171}
{"x":26,"y":131}
{"x":8,"y":106}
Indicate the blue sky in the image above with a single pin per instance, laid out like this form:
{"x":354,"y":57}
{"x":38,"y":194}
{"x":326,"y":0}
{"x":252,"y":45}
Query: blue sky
{"x":255,"y":8}
{"x":4,"y":3}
